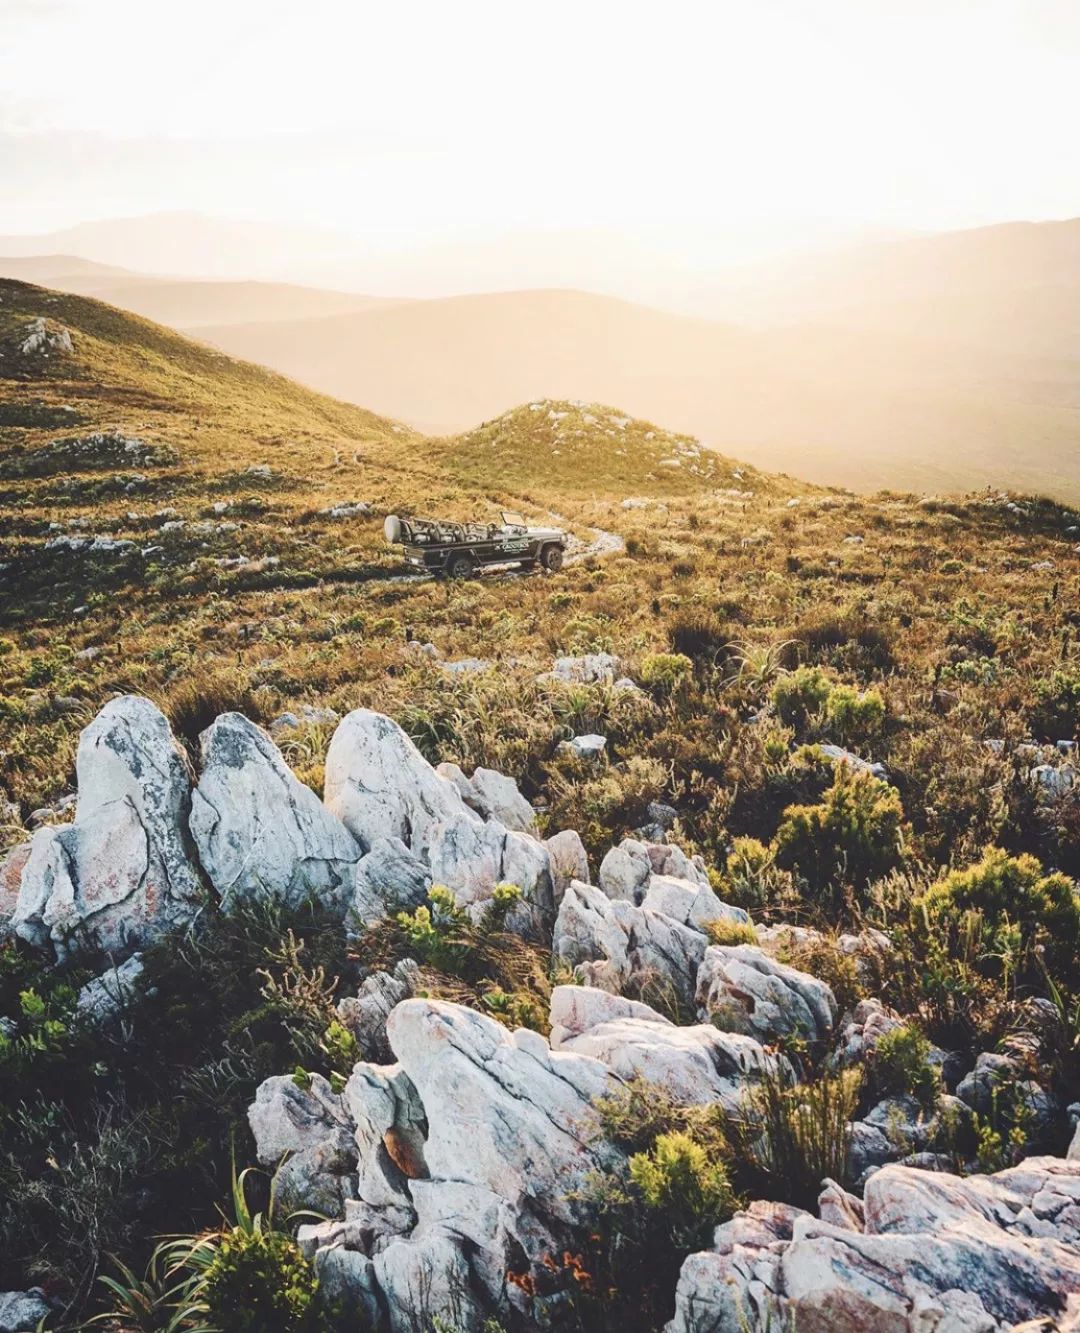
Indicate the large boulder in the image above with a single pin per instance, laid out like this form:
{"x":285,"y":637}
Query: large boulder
{"x":392,"y":800}
{"x":492,"y":795}
{"x":471,"y":858}
{"x":261,"y":834}
{"x":306,"y":1134}
{"x":120,"y":876}
{"x":620,"y":947}
{"x":628,"y":869}
{"x":739,"y":987}
{"x":568,"y":860}
{"x":697,"y":1065}
{"x":473,"y":1150}
{"x":380,"y":786}
{"x":23,"y":1311}
{"x":504,"y":1111}
{"x":503,"y":801}
{"x":925,"y":1250}
{"x":695,"y":905}
{"x":389,"y":879}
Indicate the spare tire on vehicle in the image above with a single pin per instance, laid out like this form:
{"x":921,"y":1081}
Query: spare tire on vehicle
{"x":392,"y":528}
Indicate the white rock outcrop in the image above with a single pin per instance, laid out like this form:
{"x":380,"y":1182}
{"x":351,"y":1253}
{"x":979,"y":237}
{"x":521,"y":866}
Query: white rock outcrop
{"x":627,"y":870}
{"x":389,"y":797}
{"x":568,"y":861}
{"x":472,"y":1152}
{"x":380,"y":786}
{"x":119,"y":876}
{"x":260,"y":833}
{"x":924,"y":1251}
{"x":471,"y":858}
{"x":306,"y":1135}
{"x":739,"y":987}
{"x":388,"y":879}
{"x":697,"y":1065}
{"x":617,"y":946}
{"x":40,"y":337}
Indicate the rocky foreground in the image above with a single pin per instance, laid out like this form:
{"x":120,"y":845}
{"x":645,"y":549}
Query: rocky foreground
{"x":453,"y":1172}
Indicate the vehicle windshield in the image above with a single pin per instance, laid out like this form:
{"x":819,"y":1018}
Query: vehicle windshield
{"x":512,"y":520}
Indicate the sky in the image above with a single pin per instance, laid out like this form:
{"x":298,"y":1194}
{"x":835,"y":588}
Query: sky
{"x":767,"y":121}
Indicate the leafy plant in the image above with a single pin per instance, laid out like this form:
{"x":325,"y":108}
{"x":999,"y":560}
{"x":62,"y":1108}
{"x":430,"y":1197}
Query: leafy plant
{"x":687,"y":1191}
{"x":794,"y":1137}
{"x":854,"y":835}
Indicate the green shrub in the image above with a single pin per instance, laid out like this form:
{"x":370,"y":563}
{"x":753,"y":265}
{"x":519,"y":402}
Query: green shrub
{"x":751,"y":878}
{"x":727,"y":932}
{"x":899,"y":1064}
{"x":794,"y":1137}
{"x":432,"y":931}
{"x":259,"y":1282}
{"x":853,"y":836}
{"x":1011,"y":919}
{"x":854,"y":717}
{"x":800,"y":694}
{"x":687,"y":1190}
{"x":665,"y":671}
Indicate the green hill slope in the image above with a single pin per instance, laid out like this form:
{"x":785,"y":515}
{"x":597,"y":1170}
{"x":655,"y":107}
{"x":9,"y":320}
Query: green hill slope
{"x":178,"y":525}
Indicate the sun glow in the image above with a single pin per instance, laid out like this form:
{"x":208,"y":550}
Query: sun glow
{"x":773,"y":121}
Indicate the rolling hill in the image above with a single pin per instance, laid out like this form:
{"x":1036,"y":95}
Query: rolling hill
{"x":931,"y":363}
{"x":185,"y":303}
{"x":840,"y":405}
{"x":199,"y":531}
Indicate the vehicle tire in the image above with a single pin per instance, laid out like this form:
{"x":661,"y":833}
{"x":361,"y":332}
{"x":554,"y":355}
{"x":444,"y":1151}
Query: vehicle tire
{"x":461,"y":566}
{"x":552,"y":558}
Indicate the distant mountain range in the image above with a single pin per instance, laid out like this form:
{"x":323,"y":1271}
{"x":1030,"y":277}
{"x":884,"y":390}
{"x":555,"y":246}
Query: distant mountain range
{"x":948,"y":361}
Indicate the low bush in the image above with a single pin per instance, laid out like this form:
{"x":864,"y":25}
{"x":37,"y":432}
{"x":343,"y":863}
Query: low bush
{"x":1015,"y":922}
{"x":899,"y":1064}
{"x":794,"y":1137}
{"x":800,"y":694}
{"x":854,"y":835}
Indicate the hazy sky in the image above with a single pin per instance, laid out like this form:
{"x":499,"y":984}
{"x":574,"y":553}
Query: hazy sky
{"x":427,"y":116}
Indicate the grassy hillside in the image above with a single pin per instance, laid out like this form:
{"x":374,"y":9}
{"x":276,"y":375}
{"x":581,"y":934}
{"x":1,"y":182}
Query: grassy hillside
{"x":168,"y":527}
{"x":218,"y":549}
{"x":907,"y":402}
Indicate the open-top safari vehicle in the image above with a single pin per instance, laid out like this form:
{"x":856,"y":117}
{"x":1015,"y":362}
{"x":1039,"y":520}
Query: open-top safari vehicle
{"x":458,"y":550}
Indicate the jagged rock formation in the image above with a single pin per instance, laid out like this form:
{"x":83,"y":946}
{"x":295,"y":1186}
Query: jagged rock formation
{"x":121,"y":874}
{"x":628,"y":869}
{"x":457,"y":1151}
{"x":472,"y":1152}
{"x":132,"y":865}
{"x":924,"y":1250}
{"x":259,"y":832}
{"x":492,"y":795}
{"x":618,"y":947}
{"x":698,"y":1065}
{"x":380,"y":786}
{"x":741,"y":988}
